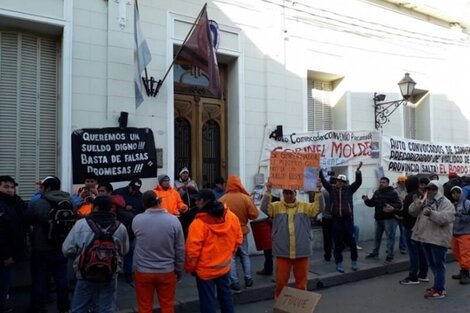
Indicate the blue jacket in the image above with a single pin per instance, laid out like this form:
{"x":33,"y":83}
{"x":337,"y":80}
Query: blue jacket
{"x":135,"y":201}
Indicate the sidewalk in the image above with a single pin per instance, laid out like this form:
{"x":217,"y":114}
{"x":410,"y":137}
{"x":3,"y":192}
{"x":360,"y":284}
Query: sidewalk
{"x":322,"y":275}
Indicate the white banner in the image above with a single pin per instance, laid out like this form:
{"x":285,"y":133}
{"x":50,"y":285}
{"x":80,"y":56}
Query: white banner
{"x":336,"y":147}
{"x":414,"y":156}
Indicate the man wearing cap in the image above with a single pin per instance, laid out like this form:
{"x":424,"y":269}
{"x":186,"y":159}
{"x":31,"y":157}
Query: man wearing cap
{"x":292,"y":237}
{"x":159,"y":255}
{"x":213,"y":238}
{"x":47,"y":257}
{"x":186,"y":186}
{"x":133,"y":199}
{"x":171,"y":199}
{"x":401,"y":191}
{"x":87,"y":293}
{"x":11,"y":234}
{"x":386,"y":203}
{"x":342,"y":216}
{"x":435,"y":215}
{"x":454,"y":180}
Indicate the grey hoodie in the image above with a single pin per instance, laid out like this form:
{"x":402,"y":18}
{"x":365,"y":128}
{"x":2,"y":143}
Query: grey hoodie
{"x":38,"y":216}
{"x":436,"y":228}
{"x":462,"y":214}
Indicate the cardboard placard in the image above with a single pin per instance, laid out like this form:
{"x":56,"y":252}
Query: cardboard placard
{"x":294,"y":170}
{"x":292,"y":300}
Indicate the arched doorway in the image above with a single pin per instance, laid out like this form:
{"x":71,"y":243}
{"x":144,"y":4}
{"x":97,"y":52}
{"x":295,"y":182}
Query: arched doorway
{"x":200,"y":127}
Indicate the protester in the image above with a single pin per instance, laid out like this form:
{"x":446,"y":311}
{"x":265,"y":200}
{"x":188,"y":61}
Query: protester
{"x":326,"y":220}
{"x":387,"y":204}
{"x":461,"y":234}
{"x":11,"y":235}
{"x":186,"y":186}
{"x":47,"y":258}
{"x":171,"y":199}
{"x":291,"y":236}
{"x":401,"y":191}
{"x":118,"y":202}
{"x":159,"y":255}
{"x":84,"y":196}
{"x":219,"y":188}
{"x":97,"y":244}
{"x":435,"y":215}
{"x":239,"y":202}
{"x":132,"y":196}
{"x":454,"y":180}
{"x":418,"y":264}
{"x":214,"y":236}
{"x":342,"y":213}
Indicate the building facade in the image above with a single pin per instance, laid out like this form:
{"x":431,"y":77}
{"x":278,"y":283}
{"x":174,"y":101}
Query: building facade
{"x":305,"y":65}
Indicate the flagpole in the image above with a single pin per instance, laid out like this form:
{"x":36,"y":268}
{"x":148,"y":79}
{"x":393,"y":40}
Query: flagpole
{"x":160,"y":82}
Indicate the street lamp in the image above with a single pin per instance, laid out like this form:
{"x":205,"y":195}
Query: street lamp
{"x":384,"y":109}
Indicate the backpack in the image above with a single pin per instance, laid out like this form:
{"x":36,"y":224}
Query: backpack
{"x":98,"y":262}
{"x":61,"y":220}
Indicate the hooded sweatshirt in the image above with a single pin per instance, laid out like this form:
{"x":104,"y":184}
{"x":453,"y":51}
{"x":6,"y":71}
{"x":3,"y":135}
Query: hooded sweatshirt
{"x":436,"y":228}
{"x":462,"y":214}
{"x":239,"y":202}
{"x":38,"y":217}
{"x":213,"y":238}
{"x":81,"y":235}
{"x":171,"y":200}
{"x":412,"y":187}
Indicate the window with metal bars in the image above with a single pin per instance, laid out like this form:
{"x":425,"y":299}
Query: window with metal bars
{"x":319,"y":105}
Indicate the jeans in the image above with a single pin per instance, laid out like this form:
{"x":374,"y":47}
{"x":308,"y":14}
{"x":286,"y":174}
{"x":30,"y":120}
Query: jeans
{"x":390,"y":228}
{"x":100,"y":295}
{"x":129,"y":258}
{"x":207,"y":290}
{"x":436,"y":256}
{"x":5,"y":279}
{"x":43,"y":265}
{"x":343,"y":233}
{"x":326,"y":225}
{"x":402,"y":242}
{"x":418,"y":262}
{"x":242,"y":252}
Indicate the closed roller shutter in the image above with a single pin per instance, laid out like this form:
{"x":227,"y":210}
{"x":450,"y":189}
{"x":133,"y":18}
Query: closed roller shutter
{"x":319,"y":106}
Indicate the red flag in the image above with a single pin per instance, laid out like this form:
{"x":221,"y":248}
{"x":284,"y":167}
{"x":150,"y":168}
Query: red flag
{"x":198,"y":51}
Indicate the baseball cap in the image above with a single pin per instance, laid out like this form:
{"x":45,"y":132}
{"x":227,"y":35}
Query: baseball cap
{"x":342,"y":178}
{"x":204,"y":194}
{"x":150,"y":198}
{"x":452,"y":174}
{"x":8,"y":178}
{"x":137,"y":183}
{"x":184,"y":170}
{"x":162,"y":177}
{"x":50,"y":182}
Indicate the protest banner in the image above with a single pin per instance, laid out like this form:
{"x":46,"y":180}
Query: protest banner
{"x":294,"y":170}
{"x":336,"y":147}
{"x":113,"y":154}
{"x":415,"y":156}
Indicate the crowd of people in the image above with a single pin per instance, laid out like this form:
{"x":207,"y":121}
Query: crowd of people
{"x":153,"y":237}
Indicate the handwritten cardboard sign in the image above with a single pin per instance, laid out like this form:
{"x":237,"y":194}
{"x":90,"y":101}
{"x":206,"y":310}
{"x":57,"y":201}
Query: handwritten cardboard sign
{"x":292,"y":300}
{"x":294,"y":170}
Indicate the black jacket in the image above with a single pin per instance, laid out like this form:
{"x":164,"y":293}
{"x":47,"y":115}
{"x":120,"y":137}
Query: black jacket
{"x":380,"y":198}
{"x":341,"y":199}
{"x":412,"y":187}
{"x":11,"y":229}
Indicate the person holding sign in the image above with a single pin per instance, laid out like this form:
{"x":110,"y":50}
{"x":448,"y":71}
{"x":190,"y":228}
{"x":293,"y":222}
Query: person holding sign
{"x":342,"y":216}
{"x":291,"y":236}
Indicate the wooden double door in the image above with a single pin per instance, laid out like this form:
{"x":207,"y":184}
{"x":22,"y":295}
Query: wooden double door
{"x":200,"y":138}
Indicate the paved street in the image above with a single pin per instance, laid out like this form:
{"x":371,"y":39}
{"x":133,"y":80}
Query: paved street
{"x":383,"y":294}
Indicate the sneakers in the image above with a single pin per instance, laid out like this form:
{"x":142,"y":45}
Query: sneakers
{"x":264,"y":272}
{"x":372,"y":256}
{"x":354,"y":266}
{"x":403,"y":252}
{"x":339,"y":267}
{"x":432,"y":293}
{"x":465,"y":277}
{"x":248,"y":282}
{"x":358,"y":247}
{"x":457,"y":276}
{"x":388,"y":260}
{"x":236,"y":288}
{"x":409,"y":281}
{"x":423,"y":279}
